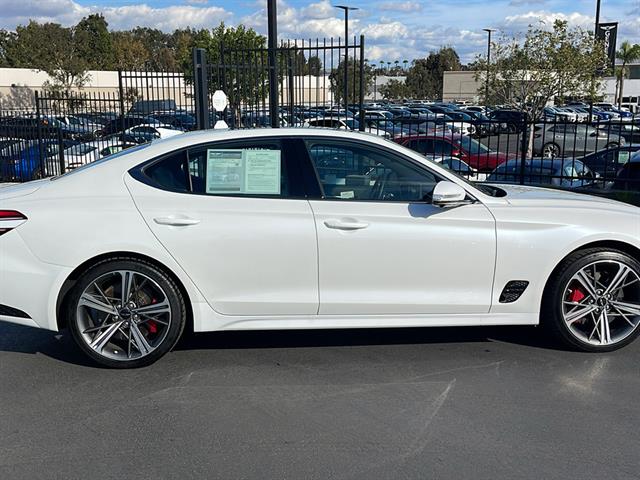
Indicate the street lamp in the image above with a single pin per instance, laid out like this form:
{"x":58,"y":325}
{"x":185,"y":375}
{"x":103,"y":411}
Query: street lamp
{"x":486,"y":90}
{"x":346,"y":49}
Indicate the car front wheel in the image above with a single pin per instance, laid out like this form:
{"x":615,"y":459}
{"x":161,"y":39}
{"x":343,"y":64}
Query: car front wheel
{"x":593,"y":302}
{"x":125,"y":313}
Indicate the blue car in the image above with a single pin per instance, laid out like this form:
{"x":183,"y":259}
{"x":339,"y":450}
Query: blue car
{"x":26,"y":164}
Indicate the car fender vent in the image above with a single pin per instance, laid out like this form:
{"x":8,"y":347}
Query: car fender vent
{"x":513,"y":290}
{"x":7,"y":311}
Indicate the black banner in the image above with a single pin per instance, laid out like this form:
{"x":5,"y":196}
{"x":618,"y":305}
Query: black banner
{"x":607,"y":33}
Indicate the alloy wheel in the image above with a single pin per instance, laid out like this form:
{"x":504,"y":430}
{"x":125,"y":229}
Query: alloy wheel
{"x":123,"y":315}
{"x":601,"y":303}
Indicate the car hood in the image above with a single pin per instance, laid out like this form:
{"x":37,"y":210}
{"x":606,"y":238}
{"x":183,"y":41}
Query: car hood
{"x":523,"y":195}
{"x":20,"y":189}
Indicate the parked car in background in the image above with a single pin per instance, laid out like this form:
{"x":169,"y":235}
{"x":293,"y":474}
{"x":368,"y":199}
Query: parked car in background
{"x":461,"y":168}
{"x":121,"y":124}
{"x":344,"y":123}
{"x":83,"y":153}
{"x":79,"y":124}
{"x":559,"y":115}
{"x":147,"y":132}
{"x":180,"y":121}
{"x":628,"y":178}
{"x":463,"y":147}
{"x":608,"y":161}
{"x":559,"y":172}
{"x":510,"y":121}
{"x":630,"y":131}
{"x":624,"y":115}
{"x":148,"y":107}
{"x":564,"y":139}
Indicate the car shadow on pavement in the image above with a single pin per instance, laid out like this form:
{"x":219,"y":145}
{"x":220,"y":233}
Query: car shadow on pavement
{"x":525,"y":336}
{"x":60,"y":346}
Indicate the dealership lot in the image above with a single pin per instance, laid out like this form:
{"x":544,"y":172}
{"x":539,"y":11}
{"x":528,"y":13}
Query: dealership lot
{"x":418,"y":403}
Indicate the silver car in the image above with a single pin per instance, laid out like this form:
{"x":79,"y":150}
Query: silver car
{"x":570,"y":139}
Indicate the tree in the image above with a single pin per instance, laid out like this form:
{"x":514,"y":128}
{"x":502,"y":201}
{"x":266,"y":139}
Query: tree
{"x":394,"y":90}
{"x":336,"y":79}
{"x":52,"y":48}
{"x":545,"y":64}
{"x":130,"y":53}
{"x":93,"y":42}
{"x":314,"y":65}
{"x":425,"y":76}
{"x":627,"y":54}
{"x":530,"y":72}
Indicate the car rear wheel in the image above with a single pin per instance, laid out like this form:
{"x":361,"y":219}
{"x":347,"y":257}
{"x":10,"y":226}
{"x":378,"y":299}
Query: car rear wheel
{"x":550,"y":150}
{"x":126,"y":313}
{"x":593,"y":302}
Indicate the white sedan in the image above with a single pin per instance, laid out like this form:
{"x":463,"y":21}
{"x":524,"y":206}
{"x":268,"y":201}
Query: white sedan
{"x":300,"y":228}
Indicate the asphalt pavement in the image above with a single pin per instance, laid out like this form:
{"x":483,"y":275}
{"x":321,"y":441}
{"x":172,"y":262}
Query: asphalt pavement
{"x":469,"y":403}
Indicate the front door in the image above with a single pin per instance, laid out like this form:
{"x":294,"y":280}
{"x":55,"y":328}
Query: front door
{"x":384,"y":249}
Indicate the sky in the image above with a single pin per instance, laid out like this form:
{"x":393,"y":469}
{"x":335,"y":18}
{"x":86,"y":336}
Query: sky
{"x":393,"y":29}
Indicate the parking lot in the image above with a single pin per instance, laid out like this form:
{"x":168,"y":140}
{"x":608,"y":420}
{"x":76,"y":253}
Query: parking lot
{"x":419,"y":403}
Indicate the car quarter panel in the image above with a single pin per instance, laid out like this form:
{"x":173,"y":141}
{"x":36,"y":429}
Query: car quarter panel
{"x":534,"y":237}
{"x":74,"y":219}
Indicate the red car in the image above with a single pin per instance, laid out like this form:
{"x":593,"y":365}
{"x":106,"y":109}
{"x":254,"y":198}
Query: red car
{"x":463,"y":147}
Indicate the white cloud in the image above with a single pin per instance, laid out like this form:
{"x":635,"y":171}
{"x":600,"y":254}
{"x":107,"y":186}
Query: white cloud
{"x":521,"y":21}
{"x":388,"y":31}
{"x":400,"y":6}
{"x":68,"y":12}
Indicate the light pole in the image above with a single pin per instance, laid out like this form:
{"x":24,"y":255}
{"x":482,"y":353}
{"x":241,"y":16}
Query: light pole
{"x":346,"y":51}
{"x":486,"y":86}
{"x":595,"y":39}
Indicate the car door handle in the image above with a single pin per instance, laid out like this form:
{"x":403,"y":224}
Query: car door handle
{"x":176,"y":221}
{"x":345,"y":224}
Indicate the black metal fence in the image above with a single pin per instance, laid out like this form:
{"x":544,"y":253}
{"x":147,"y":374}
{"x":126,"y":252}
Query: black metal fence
{"x":577,"y":149}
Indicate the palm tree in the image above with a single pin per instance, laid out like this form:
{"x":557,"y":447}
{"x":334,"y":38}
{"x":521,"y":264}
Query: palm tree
{"x":397,"y":62}
{"x":388,"y":67}
{"x":405,"y":64}
{"x":628,"y":53}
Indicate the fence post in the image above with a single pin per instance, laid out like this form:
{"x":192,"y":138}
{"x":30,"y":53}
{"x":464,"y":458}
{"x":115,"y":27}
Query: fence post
{"x":61,"y":150}
{"x":272,"y":51}
{"x":121,"y":100}
{"x":524,"y":146}
{"x":362,"y":85}
{"x":41,"y":155}
{"x":201,"y":88}
{"x":291,"y":86}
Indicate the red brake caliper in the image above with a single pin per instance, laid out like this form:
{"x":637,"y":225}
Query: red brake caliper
{"x":151,"y":325}
{"x":577,"y":295}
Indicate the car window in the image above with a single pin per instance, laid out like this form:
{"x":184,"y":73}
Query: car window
{"x":240,"y":169}
{"x":355,"y":172}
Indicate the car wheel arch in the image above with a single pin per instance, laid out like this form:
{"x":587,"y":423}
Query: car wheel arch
{"x":615,"y":245}
{"x":72,"y":278}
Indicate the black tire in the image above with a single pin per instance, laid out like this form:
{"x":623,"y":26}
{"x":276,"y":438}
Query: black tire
{"x":173,"y":295}
{"x":551,"y":146}
{"x":551,"y":316}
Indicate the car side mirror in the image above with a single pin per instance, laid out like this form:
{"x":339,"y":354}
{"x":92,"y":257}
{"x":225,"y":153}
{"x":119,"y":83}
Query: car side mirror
{"x":448,"y":194}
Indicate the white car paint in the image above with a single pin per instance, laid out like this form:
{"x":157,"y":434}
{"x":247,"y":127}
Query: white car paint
{"x":161,"y":131}
{"x":248,"y":263}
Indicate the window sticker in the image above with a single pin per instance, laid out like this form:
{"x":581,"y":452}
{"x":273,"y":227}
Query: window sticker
{"x":243,"y":171}
{"x":262,"y":171}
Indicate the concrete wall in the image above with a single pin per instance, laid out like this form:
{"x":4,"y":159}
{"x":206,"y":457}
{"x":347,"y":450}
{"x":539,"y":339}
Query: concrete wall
{"x":463,"y":86}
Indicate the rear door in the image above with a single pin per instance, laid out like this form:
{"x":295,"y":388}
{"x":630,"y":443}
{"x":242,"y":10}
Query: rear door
{"x":234,"y":216}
